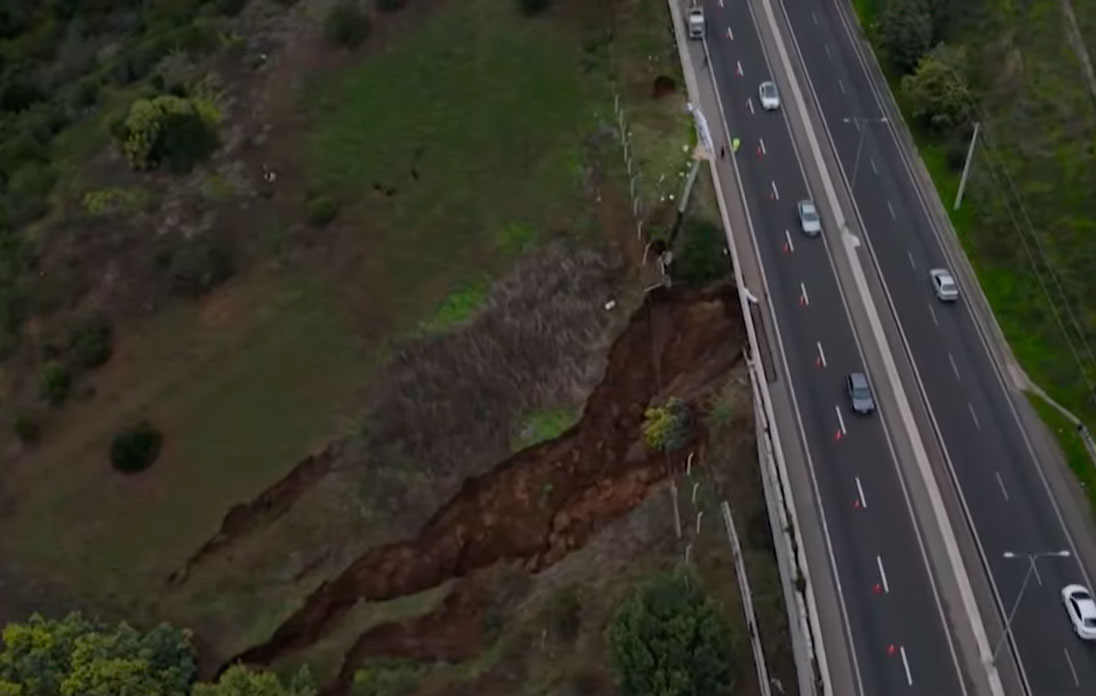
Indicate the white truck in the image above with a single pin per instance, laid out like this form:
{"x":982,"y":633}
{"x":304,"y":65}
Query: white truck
{"x":696,"y":23}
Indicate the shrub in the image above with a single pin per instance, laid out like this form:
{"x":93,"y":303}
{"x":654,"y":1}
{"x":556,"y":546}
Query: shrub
{"x":346,"y":24}
{"x":701,"y":257}
{"x":169,"y":129}
{"x":230,"y":8}
{"x":669,"y":640}
{"x":135,"y":448}
{"x":905,"y":32}
{"x":54,"y":382}
{"x":666,"y":427}
{"x":532,"y":7}
{"x":938,"y":92}
{"x":90,"y":342}
{"x":322,"y":210}
{"x":390,"y":5}
{"x":386,"y":677}
{"x":27,"y":428}
{"x":198,"y":265}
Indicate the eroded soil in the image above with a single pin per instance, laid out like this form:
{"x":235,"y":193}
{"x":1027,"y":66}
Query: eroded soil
{"x":537,"y":506}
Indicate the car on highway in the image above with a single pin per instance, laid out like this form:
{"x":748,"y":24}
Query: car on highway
{"x":943,"y":284}
{"x":859,"y":390}
{"x":1081,"y":610}
{"x":769,"y":96}
{"x":809,"y":221}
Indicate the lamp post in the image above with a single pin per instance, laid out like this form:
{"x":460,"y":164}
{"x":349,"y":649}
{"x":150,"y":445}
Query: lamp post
{"x":860,"y":124}
{"x":1031,"y":558}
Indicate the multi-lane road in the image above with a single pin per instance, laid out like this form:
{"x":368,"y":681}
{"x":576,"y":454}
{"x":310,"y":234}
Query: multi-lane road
{"x":906,"y":617}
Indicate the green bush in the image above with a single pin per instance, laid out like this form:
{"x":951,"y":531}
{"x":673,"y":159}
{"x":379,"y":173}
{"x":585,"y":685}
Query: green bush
{"x":905,"y":32}
{"x":136,"y":448}
{"x":390,"y":5}
{"x":230,"y":8}
{"x":180,"y":132}
{"x":198,"y":265}
{"x":701,"y":256}
{"x":667,"y":428}
{"x":90,"y":342}
{"x":386,"y":677}
{"x":54,"y":382}
{"x":322,"y":210}
{"x":27,"y":428}
{"x":532,"y":7}
{"x":938,"y":92}
{"x":668,"y":639}
{"x":346,"y":24}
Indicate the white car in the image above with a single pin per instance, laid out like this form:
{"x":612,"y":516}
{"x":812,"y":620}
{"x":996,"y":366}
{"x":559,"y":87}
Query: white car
{"x":943,"y":284}
{"x":769,"y":96}
{"x":1081,"y":610}
{"x":809,"y":221}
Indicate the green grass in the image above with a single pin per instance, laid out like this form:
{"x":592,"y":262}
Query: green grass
{"x":1072,"y":446}
{"x":544,"y":425}
{"x":461,"y":304}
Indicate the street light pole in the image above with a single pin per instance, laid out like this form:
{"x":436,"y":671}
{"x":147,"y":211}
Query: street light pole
{"x":1031,"y":558}
{"x":860,"y":124}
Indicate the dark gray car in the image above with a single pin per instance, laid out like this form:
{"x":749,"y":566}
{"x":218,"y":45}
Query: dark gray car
{"x":859,"y":393}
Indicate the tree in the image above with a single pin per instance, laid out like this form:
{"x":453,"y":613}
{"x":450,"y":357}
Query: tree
{"x":90,"y":342}
{"x":532,"y":7}
{"x":136,"y":448}
{"x":905,"y":32}
{"x":169,"y":129}
{"x":239,"y":680}
{"x":77,"y":657}
{"x":669,"y":640}
{"x":666,"y":427}
{"x":54,"y":382}
{"x":938,"y":91}
{"x":198,"y":265}
{"x":346,"y":24}
{"x":322,"y":210}
{"x":701,"y":257}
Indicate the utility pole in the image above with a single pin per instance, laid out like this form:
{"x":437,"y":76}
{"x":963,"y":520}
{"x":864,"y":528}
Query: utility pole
{"x":1031,"y":558}
{"x":861,"y":125}
{"x":966,"y":167}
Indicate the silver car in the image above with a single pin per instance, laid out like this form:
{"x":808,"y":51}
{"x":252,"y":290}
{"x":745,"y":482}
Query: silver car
{"x":943,"y":284}
{"x":769,"y":96}
{"x":809,"y":221}
{"x":860,"y":396}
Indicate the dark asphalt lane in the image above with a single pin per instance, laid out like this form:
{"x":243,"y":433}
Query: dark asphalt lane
{"x":881,"y":533}
{"x":1008,"y":502}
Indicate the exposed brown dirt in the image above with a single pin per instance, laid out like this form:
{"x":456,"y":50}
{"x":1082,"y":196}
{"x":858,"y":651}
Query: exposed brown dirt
{"x":266,"y":507}
{"x":546,"y":501}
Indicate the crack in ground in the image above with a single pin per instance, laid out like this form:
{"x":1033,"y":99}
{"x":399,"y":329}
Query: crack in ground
{"x":547,"y":500}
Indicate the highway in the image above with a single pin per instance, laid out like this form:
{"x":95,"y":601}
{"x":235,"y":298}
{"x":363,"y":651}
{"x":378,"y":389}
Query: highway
{"x":1006,"y":490}
{"x":991,"y":462}
{"x":900,"y":640}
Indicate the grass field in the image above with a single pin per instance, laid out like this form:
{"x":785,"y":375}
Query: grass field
{"x":1029,"y":178}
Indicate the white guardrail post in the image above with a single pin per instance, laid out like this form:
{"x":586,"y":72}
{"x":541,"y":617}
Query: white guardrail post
{"x":799,"y":600}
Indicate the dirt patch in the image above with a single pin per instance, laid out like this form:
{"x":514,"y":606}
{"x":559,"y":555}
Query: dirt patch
{"x":268,"y":506}
{"x":546,"y":501}
{"x":663,"y":85}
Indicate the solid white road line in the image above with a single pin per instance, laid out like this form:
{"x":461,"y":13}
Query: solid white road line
{"x":891,"y":209}
{"x":1001,"y":483}
{"x":840,"y":419}
{"x":1071,"y":670}
{"x":953,"y":367}
{"x":821,"y":355}
{"x":863,"y":500}
{"x":788,"y":239}
{"x":776,"y":194}
{"x":933,"y":313}
{"x":803,"y":294}
{"x":873,"y":168}
{"x":906,"y":664}
{"x":974,"y":415}
{"x":883,"y":575}
{"x":913,"y":265}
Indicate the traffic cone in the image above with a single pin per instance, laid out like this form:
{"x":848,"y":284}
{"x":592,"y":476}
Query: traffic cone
{"x":891,"y":650}
{"x":838,"y":435}
{"x":876,"y":588}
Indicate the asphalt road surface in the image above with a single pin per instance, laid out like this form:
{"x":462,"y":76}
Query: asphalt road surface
{"x":1003,"y":489}
{"x":901,"y":642}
